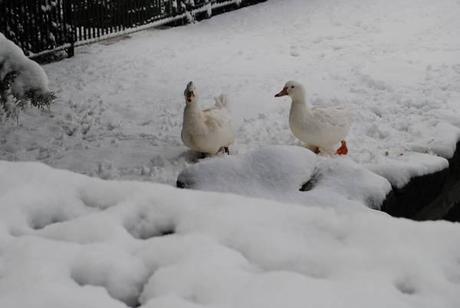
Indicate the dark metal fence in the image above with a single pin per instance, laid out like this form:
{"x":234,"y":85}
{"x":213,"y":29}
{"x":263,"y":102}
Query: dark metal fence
{"x":97,"y":18}
{"x":40,"y":26}
{"x":36,"y":25}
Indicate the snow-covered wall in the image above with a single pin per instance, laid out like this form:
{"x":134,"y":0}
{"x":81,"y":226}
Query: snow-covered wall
{"x":430,"y":195}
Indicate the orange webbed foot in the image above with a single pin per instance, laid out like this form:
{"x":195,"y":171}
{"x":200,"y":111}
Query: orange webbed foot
{"x":343,"y":150}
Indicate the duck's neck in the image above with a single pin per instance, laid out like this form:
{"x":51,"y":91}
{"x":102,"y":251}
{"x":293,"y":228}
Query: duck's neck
{"x":192,"y":108}
{"x":299,"y":115}
{"x":193,"y":115}
{"x":299,"y":105}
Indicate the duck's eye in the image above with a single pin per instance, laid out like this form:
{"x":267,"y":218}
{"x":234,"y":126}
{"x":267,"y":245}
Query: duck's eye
{"x":292,"y":87}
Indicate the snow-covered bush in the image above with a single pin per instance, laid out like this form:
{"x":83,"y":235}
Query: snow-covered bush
{"x":22,"y":81}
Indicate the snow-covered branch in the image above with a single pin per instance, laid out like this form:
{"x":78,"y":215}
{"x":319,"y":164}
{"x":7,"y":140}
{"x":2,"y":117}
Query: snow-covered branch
{"x":22,"y":81}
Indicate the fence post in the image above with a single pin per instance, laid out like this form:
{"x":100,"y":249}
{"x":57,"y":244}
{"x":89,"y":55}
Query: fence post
{"x":3,"y":22}
{"x":68,"y":19}
{"x":189,"y":6}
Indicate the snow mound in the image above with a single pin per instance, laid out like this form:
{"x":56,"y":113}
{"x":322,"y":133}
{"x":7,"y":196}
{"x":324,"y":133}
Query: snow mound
{"x":273,"y":169}
{"x":222,"y":250}
{"x":122,"y":274}
{"x":288,"y":173}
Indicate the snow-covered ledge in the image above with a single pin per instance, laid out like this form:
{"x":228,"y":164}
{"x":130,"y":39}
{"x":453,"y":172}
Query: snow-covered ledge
{"x":433,"y":195}
{"x":289,"y":174}
{"x":419,"y":186}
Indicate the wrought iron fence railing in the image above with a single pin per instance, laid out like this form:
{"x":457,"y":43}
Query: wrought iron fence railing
{"x":41,"y":26}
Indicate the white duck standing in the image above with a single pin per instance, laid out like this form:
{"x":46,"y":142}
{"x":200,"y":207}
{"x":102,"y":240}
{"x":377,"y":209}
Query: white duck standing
{"x":320,"y":129}
{"x":206,"y":131}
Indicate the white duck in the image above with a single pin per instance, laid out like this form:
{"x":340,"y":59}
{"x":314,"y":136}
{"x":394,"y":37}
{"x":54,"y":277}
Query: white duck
{"x":320,"y":129}
{"x":206,"y":131}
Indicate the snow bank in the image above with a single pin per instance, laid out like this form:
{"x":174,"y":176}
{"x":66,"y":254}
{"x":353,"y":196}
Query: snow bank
{"x":280,"y":172}
{"x":128,"y":243}
{"x":30,"y":75}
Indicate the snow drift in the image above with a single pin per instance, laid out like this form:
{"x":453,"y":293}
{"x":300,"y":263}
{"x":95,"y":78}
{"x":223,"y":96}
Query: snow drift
{"x":67,"y":240}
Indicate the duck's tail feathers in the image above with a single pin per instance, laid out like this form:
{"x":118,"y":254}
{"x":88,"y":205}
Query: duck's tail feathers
{"x":222,"y":101}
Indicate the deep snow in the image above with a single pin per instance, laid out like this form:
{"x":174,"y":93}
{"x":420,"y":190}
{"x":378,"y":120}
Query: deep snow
{"x":70,"y":241}
{"x":119,"y":107}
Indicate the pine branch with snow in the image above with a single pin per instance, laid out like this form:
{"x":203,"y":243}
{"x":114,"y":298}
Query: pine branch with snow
{"x":23,"y":82}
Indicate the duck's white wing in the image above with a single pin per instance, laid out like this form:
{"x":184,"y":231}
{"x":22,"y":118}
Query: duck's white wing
{"x":216,"y":118}
{"x":337,"y":117}
{"x":218,"y":122}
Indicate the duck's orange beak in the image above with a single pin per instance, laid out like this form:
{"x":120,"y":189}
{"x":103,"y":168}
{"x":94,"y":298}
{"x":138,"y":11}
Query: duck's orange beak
{"x":282,"y":92}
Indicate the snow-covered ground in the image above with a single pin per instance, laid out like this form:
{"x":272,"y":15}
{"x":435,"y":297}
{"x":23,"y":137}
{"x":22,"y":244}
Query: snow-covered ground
{"x":68,"y":240}
{"x":119,"y":107}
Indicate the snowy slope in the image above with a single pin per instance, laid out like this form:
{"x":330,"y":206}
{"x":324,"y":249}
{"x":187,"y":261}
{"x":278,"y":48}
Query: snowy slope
{"x":70,"y":241}
{"x":119,"y":108}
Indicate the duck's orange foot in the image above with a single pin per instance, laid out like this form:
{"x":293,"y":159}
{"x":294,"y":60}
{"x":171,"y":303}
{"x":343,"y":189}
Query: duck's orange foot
{"x":343,"y":150}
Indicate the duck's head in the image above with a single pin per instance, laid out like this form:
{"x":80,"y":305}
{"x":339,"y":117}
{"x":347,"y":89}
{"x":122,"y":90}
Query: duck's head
{"x":293,"y":89}
{"x":190,"y":93}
